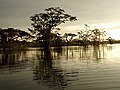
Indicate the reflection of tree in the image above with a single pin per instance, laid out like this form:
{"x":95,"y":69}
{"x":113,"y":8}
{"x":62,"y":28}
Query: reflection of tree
{"x":109,"y":47}
{"x":48,"y":73}
{"x":93,"y":52}
{"x":96,"y":52}
{"x":49,"y":76}
{"x":56,"y":52}
{"x":12,"y":59}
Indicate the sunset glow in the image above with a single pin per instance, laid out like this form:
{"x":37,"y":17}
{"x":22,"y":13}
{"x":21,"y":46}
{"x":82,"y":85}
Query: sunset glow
{"x":112,"y":29}
{"x":115,"y":34}
{"x":101,"y":14}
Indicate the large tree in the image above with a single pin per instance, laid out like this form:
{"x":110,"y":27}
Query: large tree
{"x":44,"y":23}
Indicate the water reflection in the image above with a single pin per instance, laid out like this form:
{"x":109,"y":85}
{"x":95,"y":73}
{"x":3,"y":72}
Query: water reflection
{"x":46,"y":74}
{"x":61,"y":68}
{"x":13,"y":60}
{"x":85,"y":53}
{"x":51,"y":71}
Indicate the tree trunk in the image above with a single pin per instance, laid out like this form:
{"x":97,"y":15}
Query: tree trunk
{"x":46,"y":45}
{"x":47,"y":53}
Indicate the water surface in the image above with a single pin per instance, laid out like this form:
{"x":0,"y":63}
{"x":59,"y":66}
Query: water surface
{"x":64,"y":68}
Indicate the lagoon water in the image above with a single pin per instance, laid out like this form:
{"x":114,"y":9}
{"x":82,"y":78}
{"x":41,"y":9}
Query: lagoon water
{"x":65,"y":68}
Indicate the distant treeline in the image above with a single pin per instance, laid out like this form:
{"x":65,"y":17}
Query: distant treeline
{"x":15,"y":38}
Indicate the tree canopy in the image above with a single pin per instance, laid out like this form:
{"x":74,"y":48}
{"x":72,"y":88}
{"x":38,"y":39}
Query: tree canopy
{"x":44,"y":23}
{"x":9,"y":36}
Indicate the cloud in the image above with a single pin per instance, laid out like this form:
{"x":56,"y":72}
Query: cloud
{"x":12,"y":12}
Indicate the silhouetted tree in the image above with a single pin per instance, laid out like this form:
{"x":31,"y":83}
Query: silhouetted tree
{"x":9,"y":36}
{"x":80,"y":34}
{"x":66,"y":37}
{"x":97,"y":36}
{"x":56,"y":39}
{"x":110,"y":40}
{"x":84,"y":37}
{"x":71,"y":35}
{"x":44,"y":23}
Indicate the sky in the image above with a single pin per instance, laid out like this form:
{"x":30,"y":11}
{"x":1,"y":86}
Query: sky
{"x":102,"y":14}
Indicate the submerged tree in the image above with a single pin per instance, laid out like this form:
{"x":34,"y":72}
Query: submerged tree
{"x":84,"y":37}
{"x":69,"y":37}
{"x":56,"y":39}
{"x":95,"y":36}
{"x":98,"y":36}
{"x":44,"y":23}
